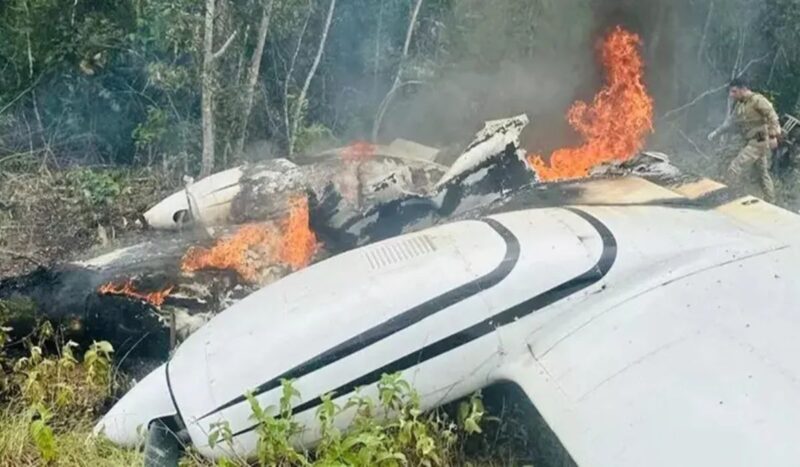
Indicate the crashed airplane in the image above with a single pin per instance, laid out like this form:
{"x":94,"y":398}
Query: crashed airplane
{"x":228,"y":235}
{"x":238,"y":231}
{"x":649,"y":316}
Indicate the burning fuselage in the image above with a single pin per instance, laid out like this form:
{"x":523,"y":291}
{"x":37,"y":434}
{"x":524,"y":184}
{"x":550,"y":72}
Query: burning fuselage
{"x":631,"y":319}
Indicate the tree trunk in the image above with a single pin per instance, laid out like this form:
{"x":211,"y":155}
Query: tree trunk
{"x":207,"y":163}
{"x":252,"y":77}
{"x":287,"y":81}
{"x":376,"y":127}
{"x":298,"y":108}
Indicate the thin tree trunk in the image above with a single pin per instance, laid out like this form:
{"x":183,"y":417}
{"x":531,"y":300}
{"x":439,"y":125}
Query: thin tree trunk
{"x":286,"y":82}
{"x":702,"y":46}
{"x":252,"y":77}
{"x":376,"y":64}
{"x":298,"y":109}
{"x":655,"y":38}
{"x":396,"y":84}
{"x":207,"y":162}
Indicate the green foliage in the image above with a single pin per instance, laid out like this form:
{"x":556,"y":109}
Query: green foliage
{"x":50,"y":402}
{"x":27,"y":440}
{"x":390,"y":430}
{"x":55,"y":398}
{"x":313,"y":137}
{"x":275,"y":430}
{"x":471,"y":413}
{"x":97,"y":362}
{"x":98,"y":188}
{"x":18,"y":309}
{"x":42,"y":435}
{"x":60,"y":387}
{"x":5,"y":382}
{"x":42,"y":36}
{"x":152,"y":130}
{"x":119,"y":81}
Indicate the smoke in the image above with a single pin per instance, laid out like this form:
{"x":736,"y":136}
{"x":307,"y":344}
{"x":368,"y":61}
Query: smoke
{"x":502,"y":66}
{"x":506,"y":58}
{"x":691,"y":48}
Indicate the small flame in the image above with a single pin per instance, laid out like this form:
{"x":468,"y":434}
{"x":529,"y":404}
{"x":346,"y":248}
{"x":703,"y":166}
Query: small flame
{"x":358,"y":151}
{"x":128,"y":289}
{"x":255,"y":246}
{"x":616,"y":123}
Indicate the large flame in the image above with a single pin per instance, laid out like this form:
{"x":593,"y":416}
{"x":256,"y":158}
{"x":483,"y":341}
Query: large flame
{"x":616,"y":123}
{"x":256,"y":246}
{"x":128,"y":289}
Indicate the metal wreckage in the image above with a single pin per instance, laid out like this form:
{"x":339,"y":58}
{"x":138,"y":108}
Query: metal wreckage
{"x":588,"y":295}
{"x":230,"y":234}
{"x":648,"y":316}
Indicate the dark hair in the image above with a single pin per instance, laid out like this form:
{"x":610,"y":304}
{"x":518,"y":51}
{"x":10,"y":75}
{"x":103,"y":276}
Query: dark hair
{"x":738,"y":83}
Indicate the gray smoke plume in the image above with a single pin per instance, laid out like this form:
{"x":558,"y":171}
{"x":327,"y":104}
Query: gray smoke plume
{"x":540,"y":57}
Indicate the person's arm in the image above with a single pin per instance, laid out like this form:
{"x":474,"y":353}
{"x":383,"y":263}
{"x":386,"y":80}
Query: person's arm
{"x":726,"y":126}
{"x":773,"y":125}
{"x":722,"y":129}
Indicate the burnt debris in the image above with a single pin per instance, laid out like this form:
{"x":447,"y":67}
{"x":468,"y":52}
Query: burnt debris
{"x":349,"y":203}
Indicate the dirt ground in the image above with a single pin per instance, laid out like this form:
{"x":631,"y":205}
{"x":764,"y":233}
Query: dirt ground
{"x":50,"y":216}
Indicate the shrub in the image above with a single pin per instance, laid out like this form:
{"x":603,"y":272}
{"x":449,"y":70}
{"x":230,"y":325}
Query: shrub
{"x":392,"y":431}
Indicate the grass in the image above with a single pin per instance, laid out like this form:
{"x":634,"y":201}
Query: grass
{"x":51,"y":399}
{"x":73,"y":447}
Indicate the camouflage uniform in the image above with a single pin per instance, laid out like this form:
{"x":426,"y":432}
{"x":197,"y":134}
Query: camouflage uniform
{"x":757,"y":122}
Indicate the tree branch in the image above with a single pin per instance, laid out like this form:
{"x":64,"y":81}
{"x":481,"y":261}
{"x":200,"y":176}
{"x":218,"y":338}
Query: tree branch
{"x":252,"y":76}
{"x":22,"y":94}
{"x":713,"y":90}
{"x":702,"y":45}
{"x":16,"y":254}
{"x":207,"y":81}
{"x":298,"y":109}
{"x":219,"y":53}
{"x":396,"y":84}
{"x":286,"y":124}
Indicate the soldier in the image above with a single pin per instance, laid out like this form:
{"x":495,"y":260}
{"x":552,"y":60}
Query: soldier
{"x":755,"y":119}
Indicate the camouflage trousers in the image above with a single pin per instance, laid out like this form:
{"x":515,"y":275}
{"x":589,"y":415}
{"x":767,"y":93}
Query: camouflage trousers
{"x":753,"y":159}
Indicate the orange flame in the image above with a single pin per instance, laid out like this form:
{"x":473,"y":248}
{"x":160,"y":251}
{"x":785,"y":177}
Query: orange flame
{"x":615,"y":125}
{"x":255,"y":246}
{"x":129,"y":290}
{"x":358,"y":151}
{"x":298,"y":241}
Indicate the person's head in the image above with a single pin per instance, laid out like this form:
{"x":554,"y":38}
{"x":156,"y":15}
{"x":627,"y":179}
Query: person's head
{"x":738,"y":89}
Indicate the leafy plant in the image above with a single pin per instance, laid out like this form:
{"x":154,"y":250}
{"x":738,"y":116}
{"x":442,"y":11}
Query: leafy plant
{"x":97,"y":362}
{"x":275,"y":432}
{"x":470,"y":414}
{"x":310,"y":136}
{"x":150,"y":132}
{"x":390,"y":430}
{"x":220,"y":432}
{"x":66,"y":387}
{"x":42,"y":435}
{"x":98,"y":188}
{"x":47,"y":396}
{"x":4,"y":337}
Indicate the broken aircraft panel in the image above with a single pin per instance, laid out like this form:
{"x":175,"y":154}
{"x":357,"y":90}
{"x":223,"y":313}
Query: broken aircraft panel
{"x":486,"y":182}
{"x":257,"y":191}
{"x":637,"y":318}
